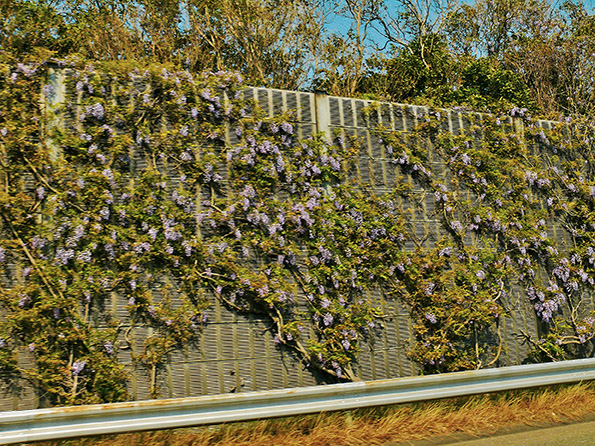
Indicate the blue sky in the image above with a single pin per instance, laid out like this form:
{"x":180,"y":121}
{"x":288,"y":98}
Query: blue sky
{"x":340,"y":24}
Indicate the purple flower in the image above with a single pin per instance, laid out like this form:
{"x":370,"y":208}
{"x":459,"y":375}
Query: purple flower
{"x":144,"y":246}
{"x":77,"y":367}
{"x":429,"y":288}
{"x":104,"y":213}
{"x":95,"y":110}
{"x":2,"y":254}
{"x":445,"y":252}
{"x":109,"y":347}
{"x":24,"y":300}
{"x":456,"y":225}
{"x":40,"y":192}
{"x":206,"y":94}
{"x":345,"y":344}
{"x":327,"y":319}
{"x":79,"y":233}
{"x":187,"y":248}
{"x":31,"y":347}
{"x":248,"y":192}
{"x":287,"y":128}
{"x":63,"y":256}
{"x":84,"y":256}
{"x":431,"y":318}
{"x":171,"y":234}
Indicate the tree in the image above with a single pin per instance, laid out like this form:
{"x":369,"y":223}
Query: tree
{"x":272,"y":43}
{"x":28,"y":25}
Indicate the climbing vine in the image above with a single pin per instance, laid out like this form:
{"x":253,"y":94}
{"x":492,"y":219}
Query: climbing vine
{"x":513,"y":192}
{"x":163,"y":188}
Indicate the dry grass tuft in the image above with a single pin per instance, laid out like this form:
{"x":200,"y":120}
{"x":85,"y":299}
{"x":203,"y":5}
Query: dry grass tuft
{"x":476,"y":415}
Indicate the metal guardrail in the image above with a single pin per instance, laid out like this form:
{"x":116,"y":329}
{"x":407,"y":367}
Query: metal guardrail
{"x":65,"y":422}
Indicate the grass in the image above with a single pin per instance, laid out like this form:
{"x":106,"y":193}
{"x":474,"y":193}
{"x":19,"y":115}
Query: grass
{"x":475,"y":415}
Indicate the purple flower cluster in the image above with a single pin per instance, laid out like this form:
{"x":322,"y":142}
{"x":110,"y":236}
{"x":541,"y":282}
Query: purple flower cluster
{"x":301,"y":215}
{"x":287,"y":128}
{"x":456,"y":226}
{"x":63,"y":256}
{"x":403,"y":160}
{"x":187,"y":248}
{"x":84,"y":256}
{"x":445,"y":252}
{"x":439,"y":196}
{"x":24,"y":300}
{"x":144,"y":246}
{"x":77,"y":367}
{"x":96,"y":111}
{"x":27,"y":70}
{"x":431,"y":318}
{"x":429,"y":289}
{"x":326,"y":160}
{"x":214,"y":101}
{"x":518,"y":112}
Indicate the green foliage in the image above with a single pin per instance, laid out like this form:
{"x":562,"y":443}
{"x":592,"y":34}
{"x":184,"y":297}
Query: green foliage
{"x":486,"y":85}
{"x":428,"y":73}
